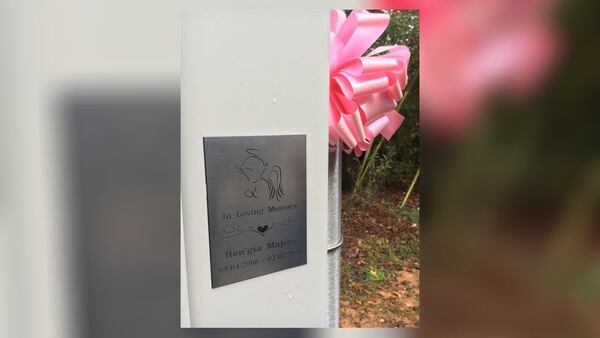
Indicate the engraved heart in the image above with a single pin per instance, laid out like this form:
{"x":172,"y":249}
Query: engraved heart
{"x":262,"y":228}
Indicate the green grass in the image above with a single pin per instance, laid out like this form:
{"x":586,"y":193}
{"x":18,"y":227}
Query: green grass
{"x":408,"y":213}
{"x":374,"y":273}
{"x":382,"y":260}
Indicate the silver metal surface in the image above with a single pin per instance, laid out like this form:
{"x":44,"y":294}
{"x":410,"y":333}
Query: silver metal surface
{"x":256,"y":192}
{"x":334,"y":238}
{"x":336,"y":245}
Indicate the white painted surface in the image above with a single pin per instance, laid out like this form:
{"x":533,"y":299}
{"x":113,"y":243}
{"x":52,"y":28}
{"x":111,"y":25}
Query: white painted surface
{"x":184,"y":304}
{"x":255,"y":72}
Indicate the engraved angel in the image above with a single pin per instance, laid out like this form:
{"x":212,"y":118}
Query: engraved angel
{"x":262,"y":179}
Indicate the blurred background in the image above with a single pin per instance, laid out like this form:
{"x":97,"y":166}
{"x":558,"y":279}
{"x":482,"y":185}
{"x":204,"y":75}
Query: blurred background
{"x":511,"y":188}
{"x":509,"y":185}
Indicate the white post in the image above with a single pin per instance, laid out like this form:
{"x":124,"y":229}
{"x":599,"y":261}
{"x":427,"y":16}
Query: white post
{"x":247,"y":74}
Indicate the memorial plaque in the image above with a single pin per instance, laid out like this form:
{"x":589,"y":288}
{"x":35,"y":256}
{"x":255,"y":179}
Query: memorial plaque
{"x":256,"y":192}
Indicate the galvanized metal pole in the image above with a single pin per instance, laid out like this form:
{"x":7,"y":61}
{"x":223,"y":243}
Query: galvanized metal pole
{"x":334,"y":237}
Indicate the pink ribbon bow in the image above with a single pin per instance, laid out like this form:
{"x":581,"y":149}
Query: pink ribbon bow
{"x":363,"y":90}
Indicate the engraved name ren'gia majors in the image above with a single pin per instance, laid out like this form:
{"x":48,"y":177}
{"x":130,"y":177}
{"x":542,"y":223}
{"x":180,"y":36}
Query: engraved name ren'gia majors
{"x":258,"y":248}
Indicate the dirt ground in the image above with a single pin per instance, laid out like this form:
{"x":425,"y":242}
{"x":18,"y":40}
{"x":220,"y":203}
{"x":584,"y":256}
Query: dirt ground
{"x":380,"y":261}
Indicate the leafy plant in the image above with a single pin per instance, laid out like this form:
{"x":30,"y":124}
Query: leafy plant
{"x":394,"y":162}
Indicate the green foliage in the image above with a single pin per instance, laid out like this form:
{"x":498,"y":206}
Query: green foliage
{"x":374,"y":274}
{"x":396,"y":161}
{"x":411,"y":214}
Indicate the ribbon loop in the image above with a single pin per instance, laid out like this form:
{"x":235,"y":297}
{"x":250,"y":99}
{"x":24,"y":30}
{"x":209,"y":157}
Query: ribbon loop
{"x":364,"y":90}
